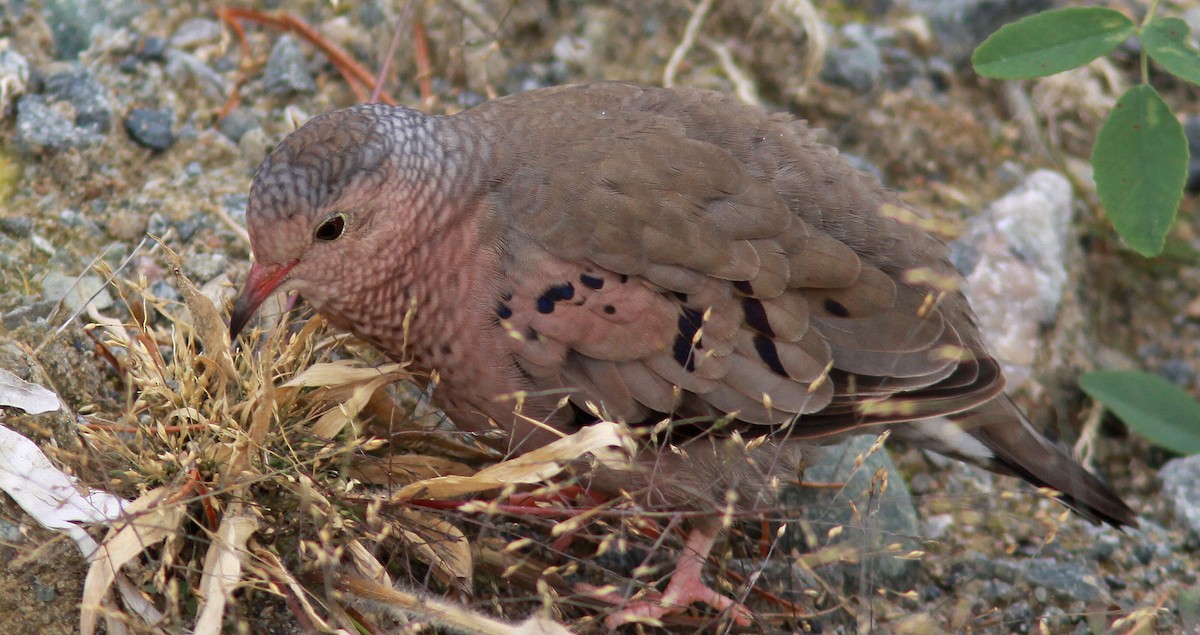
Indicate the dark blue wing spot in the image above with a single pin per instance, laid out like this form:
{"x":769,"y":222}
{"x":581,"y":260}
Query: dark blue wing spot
{"x":835,"y":308}
{"x":756,"y":316}
{"x":689,"y":322}
{"x":610,"y":309}
{"x":769,"y":354}
{"x":545,"y":305}
{"x":504,"y":312}
{"x":591,"y":282}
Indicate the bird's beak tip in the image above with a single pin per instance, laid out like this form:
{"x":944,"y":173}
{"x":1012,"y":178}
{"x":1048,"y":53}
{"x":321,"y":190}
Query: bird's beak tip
{"x":262,"y":281}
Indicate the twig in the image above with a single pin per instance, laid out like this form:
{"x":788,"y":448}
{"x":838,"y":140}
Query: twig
{"x":1085,"y":447}
{"x":743,"y":85}
{"x":685,"y":45}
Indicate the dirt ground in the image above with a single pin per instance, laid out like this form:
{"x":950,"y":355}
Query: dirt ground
{"x":949,"y":142}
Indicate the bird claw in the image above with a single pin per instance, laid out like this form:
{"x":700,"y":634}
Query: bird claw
{"x":681,"y":593}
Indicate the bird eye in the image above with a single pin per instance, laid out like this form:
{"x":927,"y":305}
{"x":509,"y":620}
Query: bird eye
{"x":331,"y":228}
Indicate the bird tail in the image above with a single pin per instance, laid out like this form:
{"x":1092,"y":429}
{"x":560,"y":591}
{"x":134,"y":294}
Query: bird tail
{"x":1020,"y":450}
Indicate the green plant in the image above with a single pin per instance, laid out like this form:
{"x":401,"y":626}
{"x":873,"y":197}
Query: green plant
{"x":1140,"y":157}
{"x":1139,"y":164}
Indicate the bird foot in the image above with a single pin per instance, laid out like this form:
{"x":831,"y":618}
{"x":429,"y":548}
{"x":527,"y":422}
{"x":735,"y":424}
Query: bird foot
{"x":677,"y":599}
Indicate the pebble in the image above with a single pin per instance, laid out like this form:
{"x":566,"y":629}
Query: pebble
{"x":1181,"y":487}
{"x":41,"y":127}
{"x":962,"y":25}
{"x":14,"y":76}
{"x":75,"y":291}
{"x":16,"y":226}
{"x":86,"y":95}
{"x":238,"y":122}
{"x":203,"y":267}
{"x":1070,"y":580}
{"x":888,"y":518}
{"x":195,"y":32}
{"x":150,"y":128}
{"x":1014,"y":255}
{"x":1191,"y":130}
{"x":287,"y":69}
{"x":858,"y":64}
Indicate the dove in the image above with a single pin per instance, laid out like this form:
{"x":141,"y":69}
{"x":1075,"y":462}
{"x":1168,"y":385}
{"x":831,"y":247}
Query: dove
{"x":704,"y":272}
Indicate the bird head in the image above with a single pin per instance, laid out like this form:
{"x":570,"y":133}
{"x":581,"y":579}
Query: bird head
{"x":326,"y":204}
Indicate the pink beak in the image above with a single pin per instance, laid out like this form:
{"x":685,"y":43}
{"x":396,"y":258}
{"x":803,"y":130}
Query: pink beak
{"x":260,"y":284}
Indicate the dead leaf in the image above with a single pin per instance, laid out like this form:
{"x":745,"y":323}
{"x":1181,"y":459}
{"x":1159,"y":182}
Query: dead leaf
{"x":31,"y":398}
{"x":605,"y":441}
{"x":223,"y":569}
{"x":439,"y":544}
{"x":51,"y":497}
{"x":146,"y":522}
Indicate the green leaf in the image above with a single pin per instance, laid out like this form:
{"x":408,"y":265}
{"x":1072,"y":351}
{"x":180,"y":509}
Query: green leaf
{"x":1151,"y":406}
{"x":1140,"y":167}
{"x":1166,"y":40}
{"x":1051,"y":42}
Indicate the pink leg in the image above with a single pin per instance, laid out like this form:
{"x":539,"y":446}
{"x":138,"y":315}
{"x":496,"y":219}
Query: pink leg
{"x":685,"y":588}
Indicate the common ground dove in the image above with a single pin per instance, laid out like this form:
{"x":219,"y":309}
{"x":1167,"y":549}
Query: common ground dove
{"x":651,"y":255}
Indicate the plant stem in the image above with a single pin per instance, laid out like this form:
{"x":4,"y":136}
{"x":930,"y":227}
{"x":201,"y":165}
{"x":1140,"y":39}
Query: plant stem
{"x":1145,"y":59}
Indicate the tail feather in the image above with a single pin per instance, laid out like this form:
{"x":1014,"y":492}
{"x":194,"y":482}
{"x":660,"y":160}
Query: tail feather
{"x":1019,"y":449}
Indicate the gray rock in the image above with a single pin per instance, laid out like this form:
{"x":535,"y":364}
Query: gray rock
{"x":41,"y":127}
{"x":72,"y":22}
{"x":16,"y":226}
{"x":87,"y":97}
{"x":203,"y":267}
{"x":962,"y":25}
{"x":150,"y":128}
{"x":14,"y":76}
{"x":1015,"y":257}
{"x":183,"y":67}
{"x":287,"y":69}
{"x":858,"y":64}
{"x":1191,"y":129}
{"x":1070,"y":580}
{"x":1181,"y":485}
{"x":887,"y":522}
{"x":195,"y":32}
{"x":10,"y":532}
{"x":75,"y":292}
{"x":26,"y":313}
{"x":238,"y":122}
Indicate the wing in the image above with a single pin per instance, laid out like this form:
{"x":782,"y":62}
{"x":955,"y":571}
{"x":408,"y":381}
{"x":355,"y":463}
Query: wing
{"x":676,"y":253}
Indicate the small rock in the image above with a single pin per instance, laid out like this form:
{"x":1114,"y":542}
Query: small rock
{"x":195,"y":32}
{"x":30,"y":312}
{"x":126,"y":225}
{"x":287,"y":69}
{"x":1018,"y":276}
{"x":152,"y":49}
{"x":14,"y":76}
{"x":1071,"y":580}
{"x":1181,"y":485}
{"x":10,"y":532}
{"x":16,"y":226}
{"x":889,"y":520}
{"x":150,"y":128}
{"x":238,"y":122}
{"x":962,"y":25}
{"x":43,"y":592}
{"x":75,"y":292}
{"x":41,"y":127}
{"x":1191,"y":130}
{"x":859,"y":64}
{"x":203,"y":267}
{"x":86,"y":95}
{"x":182,"y":67}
